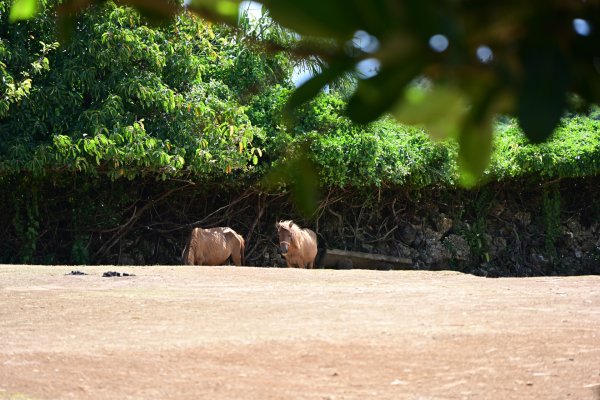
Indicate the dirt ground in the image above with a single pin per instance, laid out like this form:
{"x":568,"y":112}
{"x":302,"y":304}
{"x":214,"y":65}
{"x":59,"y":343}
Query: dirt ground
{"x":260,"y":333}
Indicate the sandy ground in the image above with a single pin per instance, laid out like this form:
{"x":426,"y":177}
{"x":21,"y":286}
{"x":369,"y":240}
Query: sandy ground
{"x":259,"y":333}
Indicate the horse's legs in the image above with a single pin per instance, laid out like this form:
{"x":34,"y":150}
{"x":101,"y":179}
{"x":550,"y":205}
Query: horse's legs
{"x":236,"y":257}
{"x":190,"y":257}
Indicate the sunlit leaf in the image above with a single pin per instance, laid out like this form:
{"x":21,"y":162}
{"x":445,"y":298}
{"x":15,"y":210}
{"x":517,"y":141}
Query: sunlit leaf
{"x":298,"y":173}
{"x":305,"y":186}
{"x":22,"y":9}
{"x":475,"y":142}
{"x":440,"y":110}
{"x":216,"y":10}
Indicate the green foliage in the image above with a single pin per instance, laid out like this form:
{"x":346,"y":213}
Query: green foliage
{"x":24,"y":56}
{"x":535,"y":57}
{"x":23,"y":9}
{"x":385,"y":153}
{"x":474,"y":233}
{"x":124,"y":99}
{"x":572,"y":152}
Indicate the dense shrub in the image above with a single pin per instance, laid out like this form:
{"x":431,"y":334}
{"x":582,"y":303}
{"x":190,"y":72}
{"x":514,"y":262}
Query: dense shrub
{"x":193,"y":100}
{"x":124,"y":99}
{"x":573,"y":151}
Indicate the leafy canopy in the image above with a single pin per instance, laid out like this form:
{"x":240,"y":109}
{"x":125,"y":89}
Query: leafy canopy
{"x":124,"y":99}
{"x":481,"y":58}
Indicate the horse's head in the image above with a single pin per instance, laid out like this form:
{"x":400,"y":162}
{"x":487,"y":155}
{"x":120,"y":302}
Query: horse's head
{"x":284,"y":231}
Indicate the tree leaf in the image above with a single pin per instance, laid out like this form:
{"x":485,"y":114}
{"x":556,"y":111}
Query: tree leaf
{"x":300,"y":174}
{"x":543,"y":92}
{"x":22,"y":9}
{"x":441,"y":110}
{"x":305,"y":184}
{"x":475,"y":143}
{"x":378,"y":94}
{"x":314,"y":85}
{"x":217,"y":10}
{"x":332,"y":18}
{"x":66,"y":24}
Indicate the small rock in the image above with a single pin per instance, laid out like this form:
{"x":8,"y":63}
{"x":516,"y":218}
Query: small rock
{"x":458,"y":246}
{"x":524,"y":218}
{"x":497,"y":209}
{"x":407,"y":233}
{"x":443,"y":224}
{"x":498,"y":245}
{"x":76,"y":273}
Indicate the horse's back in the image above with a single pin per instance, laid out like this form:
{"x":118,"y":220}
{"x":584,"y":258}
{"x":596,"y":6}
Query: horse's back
{"x":312,"y":235}
{"x":310,"y":246}
{"x":210,"y":245}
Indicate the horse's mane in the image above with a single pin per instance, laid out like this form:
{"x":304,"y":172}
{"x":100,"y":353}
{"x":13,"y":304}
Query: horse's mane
{"x":292,"y":228}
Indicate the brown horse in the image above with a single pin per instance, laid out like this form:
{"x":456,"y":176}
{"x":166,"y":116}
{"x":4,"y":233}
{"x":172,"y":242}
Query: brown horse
{"x":298,"y":246}
{"x":214,"y":246}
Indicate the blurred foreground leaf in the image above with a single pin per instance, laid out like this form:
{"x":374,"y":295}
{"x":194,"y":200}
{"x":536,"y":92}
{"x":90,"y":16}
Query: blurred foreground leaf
{"x":314,"y":85}
{"x":217,"y":10}
{"x":475,"y":148}
{"x":22,"y":9}
{"x":332,"y":18}
{"x":543,"y":95}
{"x":440,"y":110}
{"x":375,"y":95}
{"x":156,"y":12}
{"x":300,"y":173}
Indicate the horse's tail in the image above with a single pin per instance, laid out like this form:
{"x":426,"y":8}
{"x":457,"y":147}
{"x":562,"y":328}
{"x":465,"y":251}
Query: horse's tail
{"x":185,"y":253}
{"x":186,"y":249}
{"x":242,"y":250}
